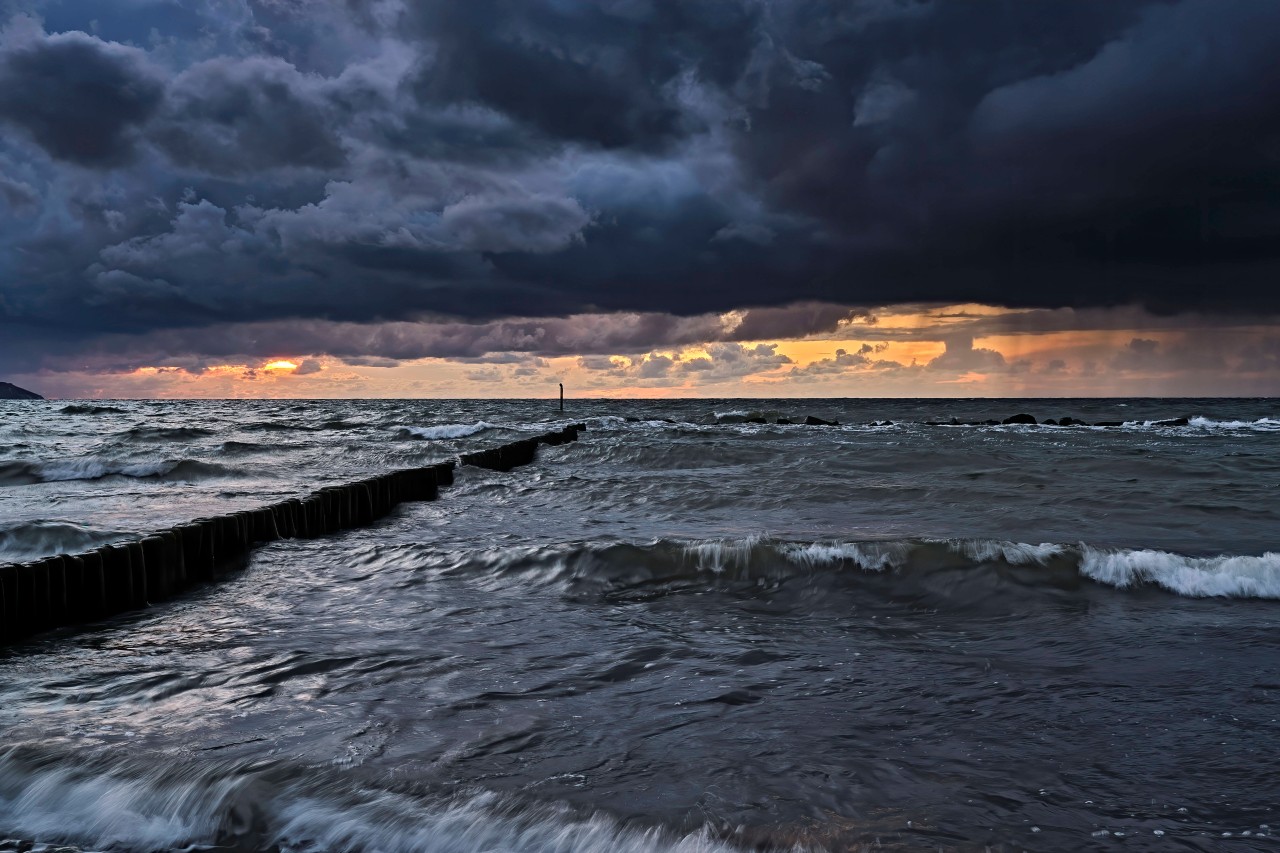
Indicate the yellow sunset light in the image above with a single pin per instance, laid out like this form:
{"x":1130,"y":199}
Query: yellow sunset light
{"x":280,"y":365}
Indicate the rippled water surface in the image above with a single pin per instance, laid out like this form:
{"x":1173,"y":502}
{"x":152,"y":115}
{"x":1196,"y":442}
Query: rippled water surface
{"x":681,"y":632}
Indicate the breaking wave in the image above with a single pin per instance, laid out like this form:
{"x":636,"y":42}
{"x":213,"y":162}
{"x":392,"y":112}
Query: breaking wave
{"x":96,"y":468}
{"x":754,"y":561}
{"x":1259,"y":425}
{"x":444,"y":431}
{"x":26,"y":540}
{"x":129,"y":806}
{"x":166,"y":433}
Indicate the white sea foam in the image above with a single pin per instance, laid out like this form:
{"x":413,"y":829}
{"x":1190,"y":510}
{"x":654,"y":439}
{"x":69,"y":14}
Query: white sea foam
{"x":91,"y":468}
{"x":30,"y":539}
{"x":449,"y":430}
{"x":1197,"y":577}
{"x":390,"y":825}
{"x":1260,"y":425}
{"x":717,"y":555}
{"x":869,"y":556}
{"x":175,"y":810}
{"x":95,"y":468}
{"x":1013,"y":553}
{"x":60,"y":804}
{"x":1223,"y":576}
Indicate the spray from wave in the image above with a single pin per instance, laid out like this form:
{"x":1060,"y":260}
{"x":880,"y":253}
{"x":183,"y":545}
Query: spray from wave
{"x":758,"y":561}
{"x":129,"y":806}
{"x":30,"y":539}
{"x":1259,"y":425}
{"x":96,"y":468}
{"x":444,"y":431}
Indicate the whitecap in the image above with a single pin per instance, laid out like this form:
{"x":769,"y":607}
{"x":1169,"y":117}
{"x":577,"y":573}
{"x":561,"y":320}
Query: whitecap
{"x":1013,"y":553}
{"x":1222,"y":576}
{"x":444,"y":431}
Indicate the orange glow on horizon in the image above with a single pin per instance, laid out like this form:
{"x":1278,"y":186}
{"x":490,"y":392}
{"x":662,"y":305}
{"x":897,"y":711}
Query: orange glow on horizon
{"x":893,"y":352}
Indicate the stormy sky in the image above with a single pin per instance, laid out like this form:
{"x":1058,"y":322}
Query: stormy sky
{"x":463,"y":198}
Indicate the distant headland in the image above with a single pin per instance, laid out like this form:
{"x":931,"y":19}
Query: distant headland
{"x":9,"y":391}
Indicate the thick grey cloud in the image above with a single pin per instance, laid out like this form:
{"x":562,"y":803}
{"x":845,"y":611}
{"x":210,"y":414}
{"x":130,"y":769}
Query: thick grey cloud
{"x":601,"y":73}
{"x":325,"y":165}
{"x":844,"y":361}
{"x":80,"y":98}
{"x":961,"y":355}
{"x":20,"y":196}
{"x":230,"y":116}
{"x":521,"y":340}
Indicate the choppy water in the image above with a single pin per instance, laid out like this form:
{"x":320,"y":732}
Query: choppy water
{"x":671,"y":635}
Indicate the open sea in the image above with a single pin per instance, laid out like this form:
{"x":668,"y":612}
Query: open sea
{"x":684,"y":632}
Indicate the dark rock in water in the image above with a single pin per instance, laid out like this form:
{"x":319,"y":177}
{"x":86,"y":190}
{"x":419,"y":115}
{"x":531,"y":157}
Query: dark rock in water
{"x":9,"y":391}
{"x":632,"y":420}
{"x":785,"y":421}
{"x":755,"y":421}
{"x":1019,"y":419}
{"x":1050,"y":422}
{"x":1070,"y":421}
{"x":1173,"y":422}
{"x":1108,"y":423}
{"x":812,"y":421}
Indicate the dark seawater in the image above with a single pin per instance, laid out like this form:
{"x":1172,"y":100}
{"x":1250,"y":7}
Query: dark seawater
{"x":671,"y":635}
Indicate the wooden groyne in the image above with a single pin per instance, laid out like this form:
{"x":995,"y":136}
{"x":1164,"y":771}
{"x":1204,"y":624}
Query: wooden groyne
{"x":73,"y":589}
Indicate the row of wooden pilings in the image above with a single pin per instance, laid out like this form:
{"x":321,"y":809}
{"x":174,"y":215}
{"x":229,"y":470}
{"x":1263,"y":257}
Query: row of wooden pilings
{"x":71,"y":589}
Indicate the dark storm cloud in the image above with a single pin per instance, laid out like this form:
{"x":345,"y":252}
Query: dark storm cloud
{"x":20,"y":196}
{"x":960,"y":355}
{"x":80,"y":98}
{"x":382,"y":344}
{"x":302,"y":161}
{"x":232,"y":117}
{"x":602,"y":73}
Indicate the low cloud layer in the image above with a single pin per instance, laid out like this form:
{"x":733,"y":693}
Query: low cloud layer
{"x":387,"y":180}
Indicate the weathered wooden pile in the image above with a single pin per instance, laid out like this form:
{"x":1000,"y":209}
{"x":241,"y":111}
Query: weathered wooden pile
{"x":522,"y":452}
{"x":71,"y":589}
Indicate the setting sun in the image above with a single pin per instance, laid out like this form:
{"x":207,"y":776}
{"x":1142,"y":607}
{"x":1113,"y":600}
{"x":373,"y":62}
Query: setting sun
{"x":280,"y":365}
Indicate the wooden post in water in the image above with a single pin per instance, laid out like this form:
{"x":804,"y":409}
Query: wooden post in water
{"x":562,"y":396}
{"x":67,"y":589}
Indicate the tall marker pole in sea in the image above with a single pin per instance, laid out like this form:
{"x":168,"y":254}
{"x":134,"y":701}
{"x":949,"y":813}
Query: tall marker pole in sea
{"x":562,"y":396}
